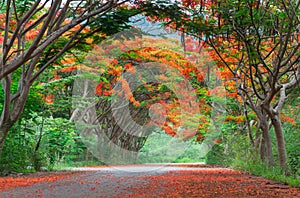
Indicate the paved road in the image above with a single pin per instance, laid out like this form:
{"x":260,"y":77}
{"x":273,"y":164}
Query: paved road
{"x":153,"y":181}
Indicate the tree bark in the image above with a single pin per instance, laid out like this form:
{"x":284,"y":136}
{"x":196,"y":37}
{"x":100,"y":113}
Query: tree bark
{"x":267,"y":144}
{"x":274,"y":114}
{"x":282,"y":155}
{"x":262,"y":148}
{"x":10,"y":116}
{"x":3,"y":133}
{"x":266,"y":153}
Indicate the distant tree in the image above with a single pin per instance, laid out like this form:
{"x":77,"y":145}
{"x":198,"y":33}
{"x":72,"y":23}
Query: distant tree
{"x":148,"y":82}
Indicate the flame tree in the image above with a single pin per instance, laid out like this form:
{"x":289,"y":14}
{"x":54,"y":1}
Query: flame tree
{"x":35,"y":34}
{"x":258,"y":43}
{"x":151,"y":83}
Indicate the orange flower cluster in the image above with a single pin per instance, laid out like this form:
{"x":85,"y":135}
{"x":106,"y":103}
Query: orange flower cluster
{"x":226,"y":74}
{"x":129,"y":68}
{"x":114,"y":62}
{"x":68,"y":69}
{"x":103,"y":89}
{"x":169,"y":130}
{"x":230,"y":84}
{"x":68,"y":61}
{"x":236,"y":119}
{"x":115,"y":71}
{"x":49,"y":99}
{"x":128,"y":93}
{"x":285,"y":118}
{"x":98,"y":89}
{"x":232,"y":95}
{"x":31,"y":34}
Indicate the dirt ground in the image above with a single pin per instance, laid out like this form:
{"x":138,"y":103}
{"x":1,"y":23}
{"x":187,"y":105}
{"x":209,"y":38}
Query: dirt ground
{"x":160,"y":180}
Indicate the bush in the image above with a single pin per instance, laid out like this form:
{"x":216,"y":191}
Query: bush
{"x":292,"y":137}
{"x":216,"y":156}
{"x":31,"y":147}
{"x":16,"y":155}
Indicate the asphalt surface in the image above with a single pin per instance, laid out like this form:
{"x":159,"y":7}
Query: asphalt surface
{"x":111,"y":181}
{"x":127,"y":181}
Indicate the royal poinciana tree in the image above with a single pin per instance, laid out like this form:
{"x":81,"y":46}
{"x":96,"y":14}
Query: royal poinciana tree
{"x":258,"y":42}
{"x":268,"y":64}
{"x":31,"y":40}
{"x":35,"y":34}
{"x":146,"y":81}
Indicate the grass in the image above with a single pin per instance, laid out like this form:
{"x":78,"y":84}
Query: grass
{"x":260,"y":169}
{"x":65,"y":165}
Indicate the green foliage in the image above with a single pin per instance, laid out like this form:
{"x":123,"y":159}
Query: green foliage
{"x":292,"y":137}
{"x":39,"y":143}
{"x":21,"y":5}
{"x":241,"y":155}
{"x":67,"y":165}
{"x":162,"y":148}
{"x":216,"y":155}
{"x":18,"y":147}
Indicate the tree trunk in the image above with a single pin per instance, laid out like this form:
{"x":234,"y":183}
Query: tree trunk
{"x":266,"y":153}
{"x":262,"y":148}
{"x":3,"y":134}
{"x":13,"y":112}
{"x":282,"y":155}
{"x":267,"y":144}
